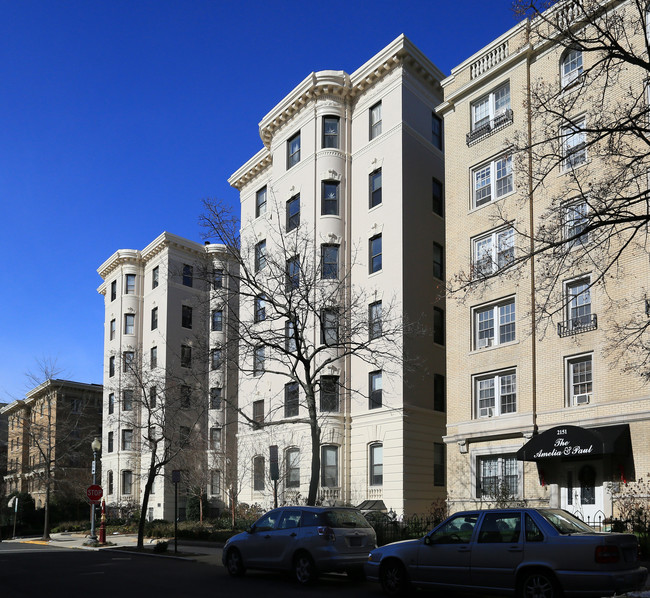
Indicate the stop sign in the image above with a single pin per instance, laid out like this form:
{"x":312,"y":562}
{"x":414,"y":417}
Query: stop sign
{"x":94,"y":493}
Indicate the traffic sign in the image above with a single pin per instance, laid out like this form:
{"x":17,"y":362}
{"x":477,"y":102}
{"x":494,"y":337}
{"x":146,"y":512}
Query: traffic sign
{"x":94,"y":493}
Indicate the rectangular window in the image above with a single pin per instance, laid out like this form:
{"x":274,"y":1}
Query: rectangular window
{"x":260,"y":255}
{"x":186,"y":356}
{"x":217,"y":320}
{"x":574,"y":144}
{"x":127,"y":482}
{"x":290,"y":337}
{"x":293,"y":468}
{"x":186,"y":316}
{"x":217,"y":279}
{"x":439,"y":464}
{"x":492,"y":181}
{"x":487,"y":111}
{"x":496,"y":394}
{"x":438,"y":198}
{"x":258,"y":411}
{"x":293,"y":213}
{"x":375,"y":188}
{"x":493,"y":252}
{"x":111,"y":403}
{"x":215,"y":439}
{"x":258,"y":474}
{"x":329,"y":326}
{"x":260,"y":308}
{"x":374,"y":320}
{"x":153,"y":357}
{"x":185,"y":397}
{"x":579,"y":380}
{"x":576,"y":218}
{"x":110,"y":442}
{"x":109,"y":480}
{"x":260,"y":202}
{"x":155,"y":277}
{"x":375,"y":254}
{"x":154,"y":318}
{"x":215,"y":359}
{"x":184,"y":435}
{"x":578,"y":302}
{"x":111,"y":328}
{"x":438,"y":326}
{"x":215,"y":397}
{"x":215,"y":483}
{"x":329,"y":459}
{"x":111,"y":366}
{"x":494,"y":324}
{"x":375,"y":399}
{"x":291,"y":399}
{"x":497,"y":476}
{"x":439,"y":393}
{"x":436,"y":131}
{"x":293,"y":273}
{"x":113,"y":290}
{"x":329,"y":262}
{"x":330,"y":198}
{"x":129,"y":284}
{"x":127,"y":400}
{"x":153,"y":397}
{"x":258,"y":361}
{"x":128,"y":361}
{"x":127,"y":440}
{"x":376,"y":458}
{"x":571,"y":66}
{"x":331,"y":131}
{"x":375,"y":120}
{"x":438,"y":261}
{"x":188,"y":275}
{"x":329,"y":394}
{"x":293,"y":150}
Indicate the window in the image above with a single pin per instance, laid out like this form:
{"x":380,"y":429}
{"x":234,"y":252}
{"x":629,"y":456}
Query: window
{"x":375,"y":254}
{"x":438,"y":199}
{"x":127,"y":400}
{"x":258,"y":473}
{"x":290,"y":344}
{"x":188,"y":275}
{"x":154,"y":318}
{"x":127,"y":482}
{"x":185,"y":396}
{"x":184,"y":435}
{"x":493,"y":252}
{"x":580,"y":380}
{"x":329,"y":459}
{"x":576,"y":220}
{"x":215,"y":483}
{"x":111,"y":403}
{"x":492,"y":181}
{"x":438,"y":261}
{"x":439,"y":392}
{"x":438,"y":326}
{"x":497,"y":476}
{"x":293,"y":150}
{"x":258,"y":411}
{"x":153,"y":396}
{"x":494,"y":324}
{"x":574,"y":144}
{"x":111,"y":334}
{"x":329,"y":394}
{"x":292,"y":460}
{"x":113,"y":290}
{"x":110,"y":442}
{"x":376,"y":464}
{"x":215,"y":358}
{"x":258,"y":361}
{"x":260,"y":202}
{"x":260,"y":255}
{"x":436,"y":131}
{"x":496,"y":394}
{"x":217,"y":320}
{"x":215,"y":397}
{"x":293,"y":273}
{"x":217,"y":278}
{"x":570,"y":66}
{"x":186,"y":316}
{"x":128,"y":360}
{"x":329,"y":198}
{"x":490,"y":108}
{"x":153,"y":357}
{"x":127,"y":440}
{"x":291,"y":399}
{"x":375,"y":188}
{"x":375,"y":390}
{"x":155,"y":277}
{"x":578,"y":298}
{"x":130,"y":284}
{"x":329,"y":262}
{"x":293,"y":213}
{"x":109,"y":481}
{"x":439,"y":464}
{"x":186,"y":356}
{"x":331,"y":131}
{"x":111,"y":366}
{"x":329,"y":326}
{"x":374,"y":320}
{"x":215,"y":439}
{"x":375,"y":120}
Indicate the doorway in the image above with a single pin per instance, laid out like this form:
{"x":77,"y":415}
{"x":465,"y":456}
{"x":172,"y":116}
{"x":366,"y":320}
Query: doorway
{"x":583,"y":492}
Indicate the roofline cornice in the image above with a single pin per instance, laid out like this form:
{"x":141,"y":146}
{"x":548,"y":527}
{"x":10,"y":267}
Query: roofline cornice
{"x":253,"y":168}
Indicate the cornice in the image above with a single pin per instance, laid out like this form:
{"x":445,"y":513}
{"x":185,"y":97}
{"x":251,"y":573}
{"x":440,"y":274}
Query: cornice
{"x":251,"y":169}
{"x":119,"y":258}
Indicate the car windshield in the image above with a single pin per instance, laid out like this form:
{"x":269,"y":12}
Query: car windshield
{"x":564,"y":522}
{"x":345,"y":518}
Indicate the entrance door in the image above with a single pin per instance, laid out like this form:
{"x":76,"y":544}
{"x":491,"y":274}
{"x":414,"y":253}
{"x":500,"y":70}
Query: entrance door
{"x":583,"y":492}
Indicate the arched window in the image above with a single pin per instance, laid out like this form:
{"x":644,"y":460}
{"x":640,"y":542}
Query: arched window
{"x":570,"y":66}
{"x":376,"y":462}
{"x":292,"y":464}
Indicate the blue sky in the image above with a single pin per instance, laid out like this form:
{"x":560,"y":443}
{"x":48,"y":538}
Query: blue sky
{"x":118,"y":117}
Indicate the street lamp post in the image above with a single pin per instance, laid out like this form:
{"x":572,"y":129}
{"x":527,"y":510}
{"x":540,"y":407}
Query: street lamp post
{"x":96,"y":446}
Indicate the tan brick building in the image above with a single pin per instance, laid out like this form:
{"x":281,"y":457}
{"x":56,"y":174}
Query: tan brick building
{"x":538,"y":407}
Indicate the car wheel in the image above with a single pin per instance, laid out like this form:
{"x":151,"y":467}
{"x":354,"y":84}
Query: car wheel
{"x":393,"y":578}
{"x":304,"y":569}
{"x":234,"y":563}
{"x":539,"y":584}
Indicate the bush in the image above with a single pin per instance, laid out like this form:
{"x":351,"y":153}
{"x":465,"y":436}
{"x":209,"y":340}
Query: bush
{"x":161,"y":546}
{"x":71,"y":526}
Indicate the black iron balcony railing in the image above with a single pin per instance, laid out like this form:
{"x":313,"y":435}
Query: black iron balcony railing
{"x":577,"y":325}
{"x":490,"y":127}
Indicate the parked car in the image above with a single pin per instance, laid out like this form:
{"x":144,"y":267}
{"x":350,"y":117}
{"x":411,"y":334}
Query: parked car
{"x":304,"y":540}
{"x":544,"y":553}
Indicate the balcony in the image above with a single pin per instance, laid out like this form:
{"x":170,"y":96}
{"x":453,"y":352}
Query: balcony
{"x":577,"y":325}
{"x":490,"y":127}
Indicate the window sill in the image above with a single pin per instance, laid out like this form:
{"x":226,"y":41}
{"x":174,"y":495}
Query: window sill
{"x":491,"y":203}
{"x":477,"y":351}
{"x":567,"y":171}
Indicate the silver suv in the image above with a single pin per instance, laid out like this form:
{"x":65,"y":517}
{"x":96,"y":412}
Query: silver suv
{"x":304,"y":540}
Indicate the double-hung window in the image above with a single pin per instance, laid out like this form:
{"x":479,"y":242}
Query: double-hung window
{"x":374,"y":320}
{"x":186,"y":316}
{"x":127,"y":400}
{"x":438,"y":326}
{"x":331,"y":131}
{"x":576,"y":218}
{"x":154,"y":318}
{"x":292,"y":461}
{"x":215,"y":438}
{"x":492,"y":181}
{"x":574,"y":144}
{"x":260,"y":255}
{"x":129,"y":287}
{"x":127,"y":440}
{"x":113,"y":290}
{"x":258,"y":360}
{"x":260,"y":308}
{"x":329,"y":326}
{"x":111,"y":334}
{"x":578,"y":299}
{"x":258,"y":411}
{"x":293,"y":273}
{"x":217,"y":320}
{"x":375,"y":120}
{"x":188,"y":275}
{"x":329,"y":459}
{"x":375,"y":187}
{"x":260,"y":202}
{"x":293,"y":150}
{"x":436,"y":131}
{"x":496,"y":394}
{"x":494,"y":324}
{"x":497,"y":475}
{"x":290,"y":343}
{"x":215,"y":397}
{"x":128,"y":361}
{"x":153,"y":357}
{"x":375,"y":254}
{"x":579,"y":374}
{"x":439,"y":464}
{"x":258,"y":473}
{"x":293,"y":213}
{"x":329,"y":262}
{"x":376,"y":458}
{"x":111,"y":403}
{"x":437,"y":197}
{"x":291,"y":399}
{"x":438,"y":261}
{"x":217,"y":279}
{"x":487,"y":111}
{"x":330,"y":198}
{"x":571,"y":66}
{"x":127,"y":482}
{"x":493,"y":252}
{"x":129,"y":323}
{"x":215,"y":359}
{"x":110,"y":442}
{"x":186,"y":356}
{"x":155,"y":277}
{"x":329,"y":394}
{"x":375,"y":390}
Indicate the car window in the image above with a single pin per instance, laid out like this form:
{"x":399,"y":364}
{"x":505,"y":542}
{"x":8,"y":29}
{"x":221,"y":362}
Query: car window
{"x":311,"y":519}
{"x":345,"y":518}
{"x":267,"y":522}
{"x":533,"y":533}
{"x":457,"y":530}
{"x":564,"y":522}
{"x":500,"y":528}
{"x":289,"y":519}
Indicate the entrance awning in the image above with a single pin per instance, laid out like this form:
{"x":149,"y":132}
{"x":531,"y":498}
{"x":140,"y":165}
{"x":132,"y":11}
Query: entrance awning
{"x":571,"y":442}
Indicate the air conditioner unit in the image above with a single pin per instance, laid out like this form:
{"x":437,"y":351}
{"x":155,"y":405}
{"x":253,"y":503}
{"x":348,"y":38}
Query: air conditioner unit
{"x":485,"y":342}
{"x":581,"y":399}
{"x":500,"y":112}
{"x":486,"y":412}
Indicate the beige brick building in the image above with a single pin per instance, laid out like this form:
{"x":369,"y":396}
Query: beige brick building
{"x":539,"y":408}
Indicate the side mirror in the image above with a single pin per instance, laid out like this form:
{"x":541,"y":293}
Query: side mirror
{"x":251,"y":529}
{"x":427,"y":540}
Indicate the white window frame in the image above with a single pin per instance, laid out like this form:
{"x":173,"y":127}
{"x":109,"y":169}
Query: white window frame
{"x":216,"y":435}
{"x":498,"y":380}
{"x":293,"y":150}
{"x":292,"y":466}
{"x":326,"y":468}
{"x":571,"y":67}
{"x":376,"y":463}
{"x":503,"y":314}
{"x":375,"y":120}
{"x":576,"y":218}
{"x":490,"y":249}
{"x":491,"y":106}
{"x":504,"y":464}
{"x":215,"y":482}
{"x":260,"y":201}
{"x":574,"y":144}
{"x":577,"y":293}
{"x":496,"y":177}
{"x":579,"y":391}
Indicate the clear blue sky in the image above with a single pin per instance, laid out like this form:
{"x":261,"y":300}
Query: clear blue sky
{"x":117,"y":117}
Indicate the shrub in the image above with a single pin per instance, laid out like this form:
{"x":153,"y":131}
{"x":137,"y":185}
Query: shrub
{"x":161,"y":546}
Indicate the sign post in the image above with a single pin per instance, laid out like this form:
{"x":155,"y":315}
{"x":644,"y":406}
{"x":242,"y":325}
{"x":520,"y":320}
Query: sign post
{"x":275,"y":472}
{"x":176,"y":478}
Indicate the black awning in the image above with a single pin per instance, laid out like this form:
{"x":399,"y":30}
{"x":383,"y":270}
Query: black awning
{"x":566,"y":442}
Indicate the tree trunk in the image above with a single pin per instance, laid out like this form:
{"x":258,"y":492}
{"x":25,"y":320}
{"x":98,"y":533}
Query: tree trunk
{"x":46,"y":518}
{"x":145,"y":498}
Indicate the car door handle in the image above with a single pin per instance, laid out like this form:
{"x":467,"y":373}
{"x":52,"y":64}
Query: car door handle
{"x":293,"y":534}
{"x":267,"y":536}
{"x":515,"y":549}
{"x":463,"y":549}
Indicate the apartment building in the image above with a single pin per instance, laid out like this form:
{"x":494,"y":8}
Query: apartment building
{"x":541,"y":406}
{"x":49,"y":436}
{"x":169,"y":394}
{"x":351,"y":175}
